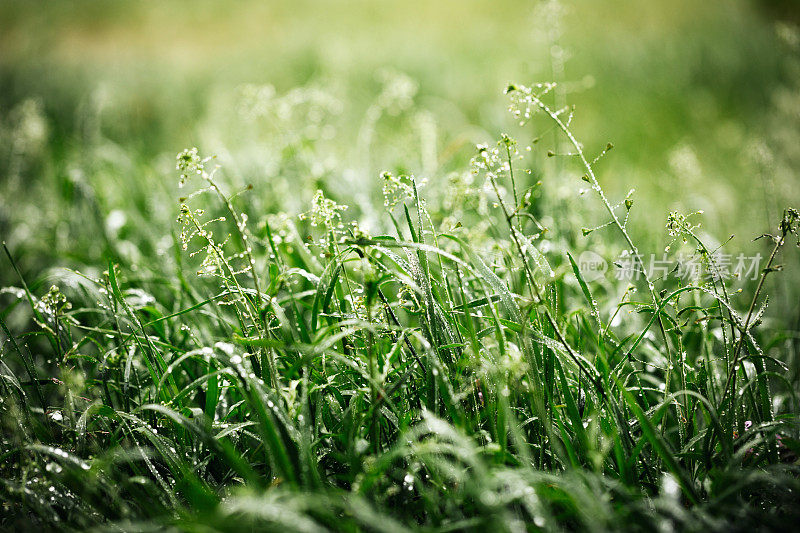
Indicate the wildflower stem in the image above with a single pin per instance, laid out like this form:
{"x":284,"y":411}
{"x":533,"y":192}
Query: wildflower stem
{"x":744,"y":330}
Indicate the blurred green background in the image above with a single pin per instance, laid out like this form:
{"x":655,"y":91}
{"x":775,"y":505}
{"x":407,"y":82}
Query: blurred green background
{"x":701,"y":101}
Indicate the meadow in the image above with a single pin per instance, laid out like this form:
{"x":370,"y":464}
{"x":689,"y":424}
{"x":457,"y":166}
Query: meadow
{"x":370,"y":266}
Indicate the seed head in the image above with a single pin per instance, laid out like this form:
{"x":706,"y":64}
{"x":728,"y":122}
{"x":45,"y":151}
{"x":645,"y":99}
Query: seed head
{"x":188,"y":163}
{"x":324,"y":211}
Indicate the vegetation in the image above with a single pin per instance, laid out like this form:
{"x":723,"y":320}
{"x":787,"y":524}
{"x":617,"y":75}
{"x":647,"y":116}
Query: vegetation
{"x":252,"y":341}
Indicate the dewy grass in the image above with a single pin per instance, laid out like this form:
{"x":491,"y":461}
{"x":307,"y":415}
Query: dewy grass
{"x":452,"y":371}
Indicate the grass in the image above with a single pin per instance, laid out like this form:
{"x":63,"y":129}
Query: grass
{"x":446,"y":373}
{"x":352,"y":318}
